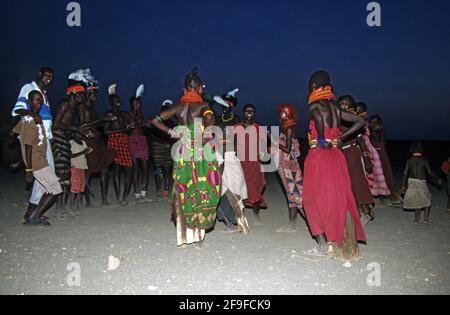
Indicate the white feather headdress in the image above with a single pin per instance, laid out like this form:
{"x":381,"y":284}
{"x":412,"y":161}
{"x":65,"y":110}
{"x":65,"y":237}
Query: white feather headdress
{"x":112,"y":89}
{"x":140,"y":91}
{"x":77,"y":75}
{"x":233,"y":93}
{"x":167,"y":103}
{"x":221,"y":101}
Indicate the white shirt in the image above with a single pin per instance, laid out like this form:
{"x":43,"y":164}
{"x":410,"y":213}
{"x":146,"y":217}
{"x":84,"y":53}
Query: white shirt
{"x":45,"y":113}
{"x":79,"y":162}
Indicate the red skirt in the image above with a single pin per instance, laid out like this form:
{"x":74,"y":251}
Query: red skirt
{"x":327,"y":195}
{"x":360,"y":186}
{"x":256,"y":181}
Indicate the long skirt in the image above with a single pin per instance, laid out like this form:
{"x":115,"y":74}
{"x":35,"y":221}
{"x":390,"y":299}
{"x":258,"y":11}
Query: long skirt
{"x":328,"y":197}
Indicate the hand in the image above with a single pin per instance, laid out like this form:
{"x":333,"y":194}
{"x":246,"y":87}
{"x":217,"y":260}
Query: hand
{"x":29,"y":178}
{"x":173,"y":134}
{"x":88,"y":151}
{"x":37,"y":118}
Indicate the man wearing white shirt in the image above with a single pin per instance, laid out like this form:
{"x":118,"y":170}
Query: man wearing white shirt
{"x":22,"y":108}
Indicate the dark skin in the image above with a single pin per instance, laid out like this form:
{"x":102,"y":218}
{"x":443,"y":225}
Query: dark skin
{"x":120,"y":125}
{"x":89,"y":121}
{"x":43,"y":81}
{"x":140,"y":168}
{"x":228,"y":118}
{"x":418,"y":167}
{"x":357,"y":137}
{"x":47,"y":200}
{"x":67,"y":113}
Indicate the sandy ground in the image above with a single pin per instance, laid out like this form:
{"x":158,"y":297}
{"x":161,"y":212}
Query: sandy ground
{"x":412,"y":259}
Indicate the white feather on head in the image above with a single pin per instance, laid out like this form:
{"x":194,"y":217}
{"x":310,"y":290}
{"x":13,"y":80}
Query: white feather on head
{"x":167,"y":103}
{"x":221,"y":101}
{"x":112,"y":89}
{"x":77,"y":75}
{"x":140,"y":91}
{"x":233,"y":93}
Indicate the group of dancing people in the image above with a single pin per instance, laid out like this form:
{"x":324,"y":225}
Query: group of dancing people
{"x":217,"y":177}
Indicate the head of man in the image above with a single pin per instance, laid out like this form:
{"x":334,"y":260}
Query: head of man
{"x":45,"y":77}
{"x":135,"y":104}
{"x":76,"y":91}
{"x":231,"y":101}
{"x":361,"y":110}
{"x":166,"y":105}
{"x":193,"y":82}
{"x":114,"y":101}
{"x":375,"y":121}
{"x":35,"y":100}
{"x":286,"y":112}
{"x":346,"y":103}
{"x":92,"y":92}
{"x":319,"y":79}
{"x":416,"y":147}
{"x":249,"y":114}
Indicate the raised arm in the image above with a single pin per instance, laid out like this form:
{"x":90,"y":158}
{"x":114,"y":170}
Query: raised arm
{"x":158,"y":121}
{"x":357,"y":123}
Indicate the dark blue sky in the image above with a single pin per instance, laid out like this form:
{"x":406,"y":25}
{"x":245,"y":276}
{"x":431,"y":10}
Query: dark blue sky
{"x":268,"y":49}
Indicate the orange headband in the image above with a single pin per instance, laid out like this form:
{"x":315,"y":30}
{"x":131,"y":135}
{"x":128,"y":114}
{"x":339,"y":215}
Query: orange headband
{"x":75,"y":89}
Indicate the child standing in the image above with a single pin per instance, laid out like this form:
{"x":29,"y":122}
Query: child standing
{"x":78,"y":170}
{"x":34,"y":150}
{"x":417,"y":193}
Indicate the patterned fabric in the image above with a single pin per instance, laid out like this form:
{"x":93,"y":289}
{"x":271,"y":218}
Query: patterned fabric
{"x":197,"y":182}
{"x":62,"y":153}
{"x":377,"y":182}
{"x":138,"y":147}
{"x":119,"y":143}
{"x":291,"y":174}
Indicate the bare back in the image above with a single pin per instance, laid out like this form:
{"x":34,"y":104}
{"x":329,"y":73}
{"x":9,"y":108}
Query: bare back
{"x":186,"y":113}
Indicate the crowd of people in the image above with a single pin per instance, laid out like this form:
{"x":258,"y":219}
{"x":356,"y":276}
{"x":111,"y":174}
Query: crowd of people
{"x":346,"y":171}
